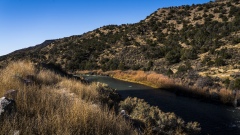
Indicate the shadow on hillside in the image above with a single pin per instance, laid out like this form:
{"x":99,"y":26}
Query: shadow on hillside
{"x":58,"y":70}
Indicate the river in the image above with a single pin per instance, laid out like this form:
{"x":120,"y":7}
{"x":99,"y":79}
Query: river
{"x":215,"y":119}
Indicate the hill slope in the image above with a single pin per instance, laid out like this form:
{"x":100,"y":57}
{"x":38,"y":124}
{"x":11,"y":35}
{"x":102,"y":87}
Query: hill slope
{"x":186,"y":42}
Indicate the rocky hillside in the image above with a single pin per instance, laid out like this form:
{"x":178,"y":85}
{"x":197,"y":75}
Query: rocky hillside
{"x":187,"y":42}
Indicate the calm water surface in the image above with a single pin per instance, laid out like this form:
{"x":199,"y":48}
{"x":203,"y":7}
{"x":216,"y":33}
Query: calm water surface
{"x":215,"y":119}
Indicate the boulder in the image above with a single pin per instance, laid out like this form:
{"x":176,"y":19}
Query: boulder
{"x":7,"y":106}
{"x":16,"y":132}
{"x":124,"y":115}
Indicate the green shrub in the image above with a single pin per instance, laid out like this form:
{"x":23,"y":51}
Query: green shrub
{"x":173,"y":56}
{"x":226,"y":82}
{"x":169,"y":72}
{"x":219,"y":62}
{"x":184,"y":68}
{"x":237,"y":83}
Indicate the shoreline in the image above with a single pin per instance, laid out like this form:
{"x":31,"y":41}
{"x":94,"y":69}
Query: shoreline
{"x":183,"y":92}
{"x":162,"y":82}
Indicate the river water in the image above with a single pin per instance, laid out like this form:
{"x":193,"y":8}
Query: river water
{"x":215,"y":119}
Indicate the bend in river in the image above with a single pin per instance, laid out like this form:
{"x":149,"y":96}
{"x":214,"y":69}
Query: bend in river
{"x":214,"y":119}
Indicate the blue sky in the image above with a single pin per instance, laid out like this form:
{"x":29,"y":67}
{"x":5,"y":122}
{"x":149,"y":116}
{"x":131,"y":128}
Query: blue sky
{"x":25,"y":23}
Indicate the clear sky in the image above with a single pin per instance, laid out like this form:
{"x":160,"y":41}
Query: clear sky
{"x":25,"y":23}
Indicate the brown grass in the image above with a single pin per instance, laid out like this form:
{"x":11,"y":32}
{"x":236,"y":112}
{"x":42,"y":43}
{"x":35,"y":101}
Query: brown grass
{"x":59,"y":106}
{"x":8,"y":76}
{"x":46,"y":77}
{"x":83,"y":91}
{"x":147,"y":78}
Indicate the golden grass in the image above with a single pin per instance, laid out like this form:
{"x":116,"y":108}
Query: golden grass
{"x":147,"y":78}
{"x":86,"y":92}
{"x":14,"y":70}
{"x":46,"y":77}
{"x":46,"y":109}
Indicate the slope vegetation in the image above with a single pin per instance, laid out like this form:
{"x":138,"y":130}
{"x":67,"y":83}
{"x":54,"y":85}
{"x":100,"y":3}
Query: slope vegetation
{"x":197,"y":45}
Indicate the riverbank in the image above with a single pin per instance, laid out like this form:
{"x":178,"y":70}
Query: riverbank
{"x":213,"y":118}
{"x":152,"y":79}
{"x":48,"y":103}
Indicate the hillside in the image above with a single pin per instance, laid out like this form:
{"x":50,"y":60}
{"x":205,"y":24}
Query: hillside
{"x":197,"y":44}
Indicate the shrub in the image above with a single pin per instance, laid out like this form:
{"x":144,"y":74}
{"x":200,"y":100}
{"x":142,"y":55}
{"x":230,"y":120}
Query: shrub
{"x":219,"y":62}
{"x":236,"y":83}
{"x":169,"y":72}
{"x":188,"y":54}
{"x":184,"y":68}
{"x":173,"y":56}
{"x":204,"y":81}
{"x":166,"y":122}
{"x":226,"y":82}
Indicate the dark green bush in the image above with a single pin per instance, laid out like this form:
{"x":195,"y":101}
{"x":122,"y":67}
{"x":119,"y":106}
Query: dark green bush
{"x":173,"y":56}
{"x":219,"y":62}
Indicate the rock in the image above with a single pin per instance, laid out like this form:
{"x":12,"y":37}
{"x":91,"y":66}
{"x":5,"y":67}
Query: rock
{"x":7,"y":106}
{"x":11,"y":94}
{"x":123,"y":112}
{"x":125,"y":115}
{"x":16,"y":132}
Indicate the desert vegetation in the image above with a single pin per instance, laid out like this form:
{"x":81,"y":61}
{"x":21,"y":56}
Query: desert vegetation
{"x":48,"y":103}
{"x":188,"y":43}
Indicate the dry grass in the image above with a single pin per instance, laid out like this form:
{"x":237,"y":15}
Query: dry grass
{"x":46,"y":109}
{"x":86,"y":92}
{"x":9,"y":76}
{"x":46,"y":77}
{"x":148,"y":78}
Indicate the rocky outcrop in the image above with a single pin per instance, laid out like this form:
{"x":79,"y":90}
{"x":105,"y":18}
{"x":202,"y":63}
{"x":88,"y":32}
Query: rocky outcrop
{"x":7,"y":106}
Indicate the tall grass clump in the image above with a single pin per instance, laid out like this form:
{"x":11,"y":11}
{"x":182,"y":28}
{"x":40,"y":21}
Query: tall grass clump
{"x":52,"y":104}
{"x":47,"y":77}
{"x":83,"y":91}
{"x":10,"y":77}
